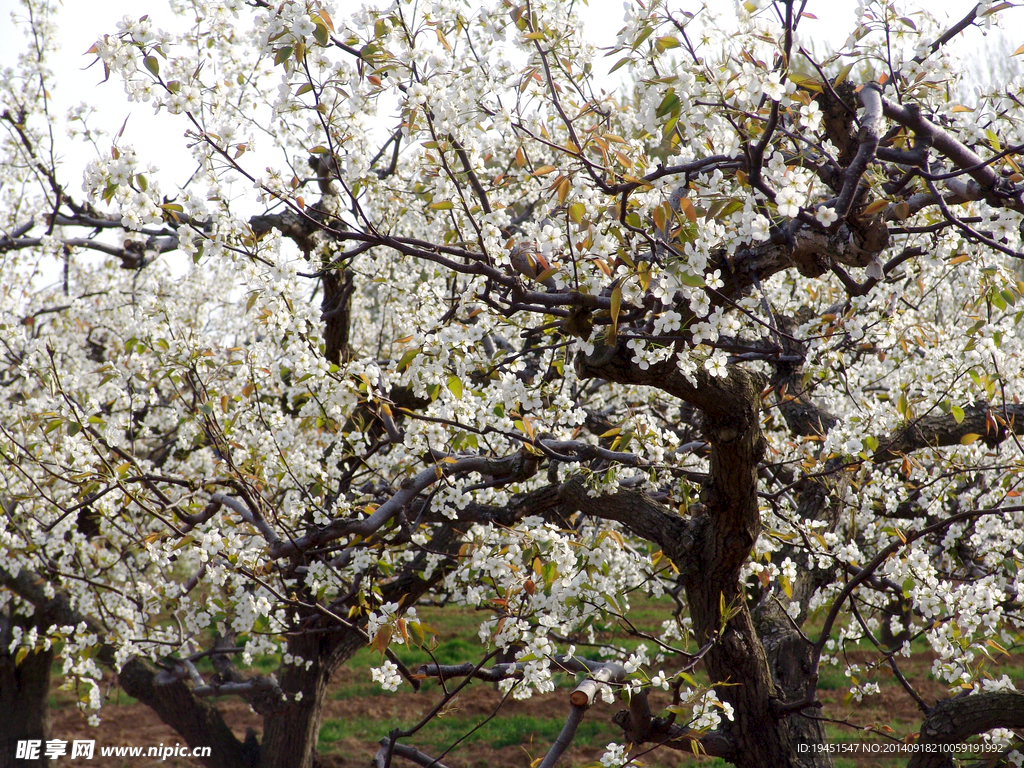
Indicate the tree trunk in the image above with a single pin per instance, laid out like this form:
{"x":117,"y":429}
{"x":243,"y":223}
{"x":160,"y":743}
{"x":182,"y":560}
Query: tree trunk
{"x":290,"y":734}
{"x":756,"y":677}
{"x":725,"y":531}
{"x":197,"y":721}
{"x":338,"y":285}
{"x":24,"y":699}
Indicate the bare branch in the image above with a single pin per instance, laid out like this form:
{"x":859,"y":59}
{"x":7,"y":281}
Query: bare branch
{"x":963,"y":157}
{"x":565,"y":737}
{"x":871,"y":98}
{"x":250,"y":516}
{"x":413,"y":755}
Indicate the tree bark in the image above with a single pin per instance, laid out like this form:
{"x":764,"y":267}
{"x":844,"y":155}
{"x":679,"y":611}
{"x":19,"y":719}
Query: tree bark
{"x":336,"y":307}
{"x":290,"y":734}
{"x":720,"y":536}
{"x":955,"y":720}
{"x":197,"y":721}
{"x":24,"y":699}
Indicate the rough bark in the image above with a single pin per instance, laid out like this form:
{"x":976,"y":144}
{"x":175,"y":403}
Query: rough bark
{"x":290,"y":735}
{"x":336,"y":304}
{"x":636,"y":511}
{"x":993,"y":424}
{"x":722,"y":532}
{"x":197,"y":721}
{"x":24,"y":698}
{"x":955,"y":720}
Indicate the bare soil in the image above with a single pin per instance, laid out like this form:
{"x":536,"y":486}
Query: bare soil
{"x":134,"y":725}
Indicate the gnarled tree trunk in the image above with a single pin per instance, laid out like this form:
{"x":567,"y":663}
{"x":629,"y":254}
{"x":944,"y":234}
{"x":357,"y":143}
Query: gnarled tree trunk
{"x":24,"y":697}
{"x":290,"y":735}
{"x":721,"y":534}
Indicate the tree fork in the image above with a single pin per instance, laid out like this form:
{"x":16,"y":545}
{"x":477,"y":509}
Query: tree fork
{"x":724,"y":528}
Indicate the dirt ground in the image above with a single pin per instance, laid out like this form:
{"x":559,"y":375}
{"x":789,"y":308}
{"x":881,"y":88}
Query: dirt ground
{"x":136,"y":725}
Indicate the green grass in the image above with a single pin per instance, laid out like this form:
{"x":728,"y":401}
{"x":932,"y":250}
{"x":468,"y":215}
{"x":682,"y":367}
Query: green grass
{"x":508,"y":731}
{"x":458,"y":642}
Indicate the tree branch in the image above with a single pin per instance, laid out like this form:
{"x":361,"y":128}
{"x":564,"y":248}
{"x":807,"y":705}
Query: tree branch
{"x":962,"y":156}
{"x":954,"y":720}
{"x":198,"y":722}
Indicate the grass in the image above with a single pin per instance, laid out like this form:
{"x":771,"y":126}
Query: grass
{"x":358,"y":712}
{"x":534,"y":731}
{"x":501,"y":731}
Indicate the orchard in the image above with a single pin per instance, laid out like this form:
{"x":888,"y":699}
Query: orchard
{"x":447,"y":315}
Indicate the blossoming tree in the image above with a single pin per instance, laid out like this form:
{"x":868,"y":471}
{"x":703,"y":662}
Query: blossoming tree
{"x":743,"y":329}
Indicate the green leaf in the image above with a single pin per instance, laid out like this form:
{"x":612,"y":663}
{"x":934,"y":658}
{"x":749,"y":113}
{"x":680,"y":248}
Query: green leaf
{"x":455,"y":386}
{"x":283,"y":54}
{"x":958,"y":414}
{"x":407,"y":358}
{"x":668,"y":104}
{"x":321,"y":33}
{"x":996,"y":9}
{"x":416,"y":633}
{"x":441,"y":205}
{"x":153,"y":65}
{"x":843,"y":74}
{"x":621,"y":62}
{"x":692,"y":280}
{"x":644,"y":34}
